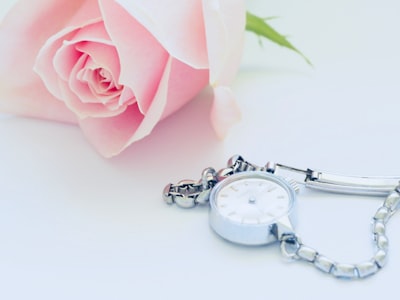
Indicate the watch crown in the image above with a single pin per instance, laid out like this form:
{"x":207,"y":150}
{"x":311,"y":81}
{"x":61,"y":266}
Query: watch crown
{"x":294,"y":185}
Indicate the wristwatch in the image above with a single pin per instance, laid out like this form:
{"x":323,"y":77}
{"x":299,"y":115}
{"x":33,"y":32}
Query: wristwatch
{"x":255,"y":205}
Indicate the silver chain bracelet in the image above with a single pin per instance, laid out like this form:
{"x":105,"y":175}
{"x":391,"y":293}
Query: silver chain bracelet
{"x":253,"y":205}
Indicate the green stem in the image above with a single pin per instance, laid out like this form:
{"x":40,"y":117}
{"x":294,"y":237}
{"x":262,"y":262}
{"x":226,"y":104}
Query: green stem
{"x":260,"y":27}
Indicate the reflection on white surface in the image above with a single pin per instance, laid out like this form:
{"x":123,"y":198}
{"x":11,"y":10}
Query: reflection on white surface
{"x":76,"y":226}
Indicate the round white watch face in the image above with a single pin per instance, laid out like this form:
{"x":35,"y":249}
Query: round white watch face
{"x":247,"y":207}
{"x":252,"y":201}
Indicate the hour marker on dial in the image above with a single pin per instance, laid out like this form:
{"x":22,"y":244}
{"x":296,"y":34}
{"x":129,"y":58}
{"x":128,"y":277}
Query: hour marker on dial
{"x":252,"y":200}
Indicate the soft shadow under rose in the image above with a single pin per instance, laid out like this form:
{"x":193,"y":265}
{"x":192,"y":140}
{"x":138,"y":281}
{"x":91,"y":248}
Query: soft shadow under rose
{"x":117,"y":68}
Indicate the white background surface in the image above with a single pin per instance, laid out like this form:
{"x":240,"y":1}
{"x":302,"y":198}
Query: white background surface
{"x":76,"y":226}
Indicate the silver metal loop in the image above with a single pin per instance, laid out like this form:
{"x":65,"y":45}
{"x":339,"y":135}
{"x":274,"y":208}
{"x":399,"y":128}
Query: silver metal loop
{"x":324,"y":263}
{"x":392,"y":201}
{"x":186,"y":193}
{"x":367,"y":269}
{"x":208,"y":178}
{"x":382,"y":214}
{"x":345,"y":271}
{"x":378,"y":227}
{"x":307,"y":253}
{"x":290,"y":244}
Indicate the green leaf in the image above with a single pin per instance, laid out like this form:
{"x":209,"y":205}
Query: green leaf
{"x":261,"y":28}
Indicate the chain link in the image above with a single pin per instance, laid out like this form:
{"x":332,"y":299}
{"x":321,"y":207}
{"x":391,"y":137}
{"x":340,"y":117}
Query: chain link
{"x":292,"y":246}
{"x":189,"y":193}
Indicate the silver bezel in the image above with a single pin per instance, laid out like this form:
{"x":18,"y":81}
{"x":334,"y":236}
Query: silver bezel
{"x":248,"y":234}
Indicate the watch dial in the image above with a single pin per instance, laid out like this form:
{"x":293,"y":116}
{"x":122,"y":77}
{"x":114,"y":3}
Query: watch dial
{"x":253,"y":201}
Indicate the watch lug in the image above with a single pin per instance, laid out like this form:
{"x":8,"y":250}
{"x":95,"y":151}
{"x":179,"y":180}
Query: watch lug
{"x":283,"y":227}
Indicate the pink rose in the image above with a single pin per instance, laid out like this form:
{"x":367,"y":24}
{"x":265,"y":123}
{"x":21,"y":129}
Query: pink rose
{"x":117,"y":67}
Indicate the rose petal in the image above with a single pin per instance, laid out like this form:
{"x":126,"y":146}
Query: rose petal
{"x":25,"y":31}
{"x":184,"y":83}
{"x":224,"y":112}
{"x":177,"y":24}
{"x":56,"y":60}
{"x":84,"y":96}
{"x":104,"y":56}
{"x":179,"y":84}
{"x":74,"y":92}
{"x":138,"y":54}
{"x":127,"y":96}
{"x":33,"y":100}
{"x":61,"y":46}
{"x":94,"y":56}
{"x":110,"y":136}
{"x":225,"y":22}
{"x":92,"y":30}
{"x":22,"y":91}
